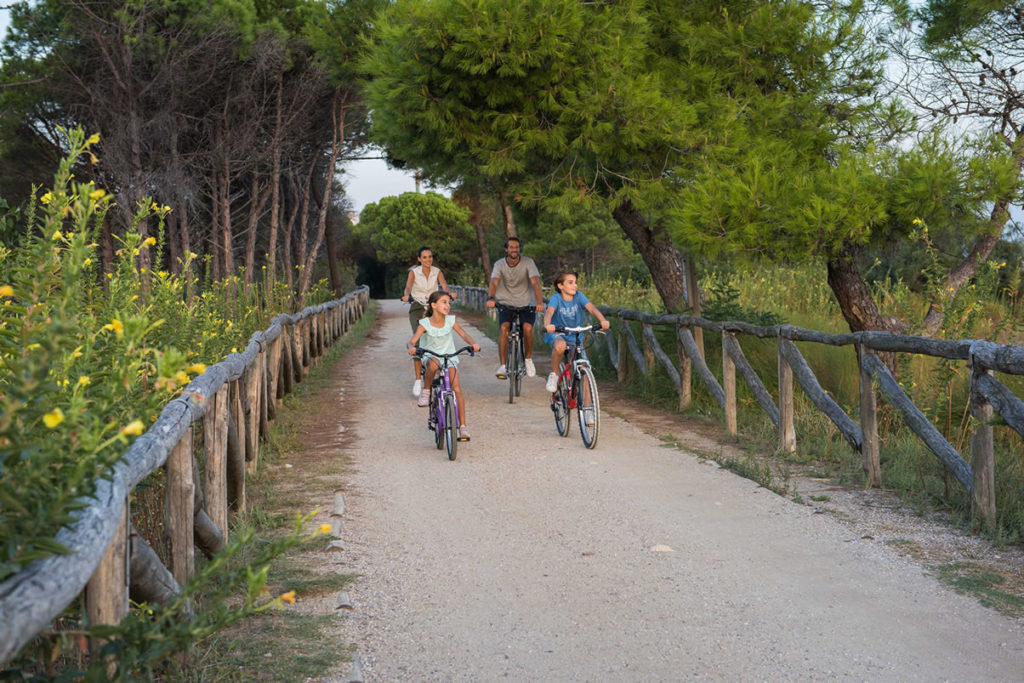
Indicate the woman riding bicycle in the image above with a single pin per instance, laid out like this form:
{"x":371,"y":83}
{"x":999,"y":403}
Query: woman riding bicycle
{"x":423,"y":279}
{"x":434,"y":333}
{"x":567,"y":307}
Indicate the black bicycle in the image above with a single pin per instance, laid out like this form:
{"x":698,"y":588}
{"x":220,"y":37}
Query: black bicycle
{"x":515,"y":358}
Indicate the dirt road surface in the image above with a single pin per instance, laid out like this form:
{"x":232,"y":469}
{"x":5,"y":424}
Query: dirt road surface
{"x":531,"y":558}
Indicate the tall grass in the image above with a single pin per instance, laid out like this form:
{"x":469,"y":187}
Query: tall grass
{"x":940,"y":388}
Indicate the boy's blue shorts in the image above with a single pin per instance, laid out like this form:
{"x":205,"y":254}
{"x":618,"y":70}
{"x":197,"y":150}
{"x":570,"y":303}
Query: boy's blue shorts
{"x":550,"y":337}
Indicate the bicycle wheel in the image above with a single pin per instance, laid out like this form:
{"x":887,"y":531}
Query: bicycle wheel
{"x":451,"y":425}
{"x":512,"y":366}
{"x":560,"y":407}
{"x":520,"y":368}
{"x":588,"y":406}
{"x":436,"y":407}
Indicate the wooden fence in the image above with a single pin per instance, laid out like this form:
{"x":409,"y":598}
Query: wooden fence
{"x":232,"y":403}
{"x":988,"y":395}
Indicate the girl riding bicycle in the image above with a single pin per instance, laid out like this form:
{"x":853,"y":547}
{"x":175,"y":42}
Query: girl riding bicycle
{"x":567,"y":307}
{"x":434,"y":333}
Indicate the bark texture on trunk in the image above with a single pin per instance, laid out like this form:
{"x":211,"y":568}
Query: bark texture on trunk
{"x":968,"y":268}
{"x":485,"y":258}
{"x":658,"y":253}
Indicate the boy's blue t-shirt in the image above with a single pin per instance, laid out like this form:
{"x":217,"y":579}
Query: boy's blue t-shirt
{"x":569,"y":313}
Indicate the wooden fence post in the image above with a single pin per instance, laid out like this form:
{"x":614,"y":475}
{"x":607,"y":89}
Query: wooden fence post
{"x":181,"y":509}
{"x":645,"y":330}
{"x":729,"y":385}
{"x":869,"y":448}
{"x":215,"y":447}
{"x":106,"y":593}
{"x":623,"y":371}
{"x":983,"y":493}
{"x":685,"y":375}
{"x":787,"y":430}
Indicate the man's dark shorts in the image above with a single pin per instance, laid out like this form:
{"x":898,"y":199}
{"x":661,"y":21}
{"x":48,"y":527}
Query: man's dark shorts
{"x":527,"y":316}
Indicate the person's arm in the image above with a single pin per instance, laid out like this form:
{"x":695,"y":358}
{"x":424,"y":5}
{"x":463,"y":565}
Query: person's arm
{"x":444,"y":285}
{"x":490,"y":292}
{"x":415,"y":338}
{"x":458,"y":328}
{"x":535,"y":281}
{"x":597,"y":314}
{"x":548,"y":314}
{"x":408,"y":286}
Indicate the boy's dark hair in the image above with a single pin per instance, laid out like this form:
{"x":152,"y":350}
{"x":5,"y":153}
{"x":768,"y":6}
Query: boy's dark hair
{"x":434,"y":296}
{"x":560,"y":278}
{"x":513,"y":239}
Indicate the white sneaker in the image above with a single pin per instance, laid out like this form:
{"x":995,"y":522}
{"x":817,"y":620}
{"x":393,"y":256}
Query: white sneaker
{"x":552,"y":384}
{"x":417,"y":387}
{"x":531,"y":369}
{"x":501,"y":372}
{"x":424,"y":399}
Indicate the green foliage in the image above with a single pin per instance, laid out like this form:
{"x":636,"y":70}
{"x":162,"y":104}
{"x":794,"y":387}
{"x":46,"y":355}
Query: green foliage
{"x":88,"y":359}
{"x":398,"y":226}
{"x":73,"y":368}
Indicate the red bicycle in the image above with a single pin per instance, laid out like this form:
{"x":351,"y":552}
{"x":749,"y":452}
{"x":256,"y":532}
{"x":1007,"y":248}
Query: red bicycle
{"x":577,"y":389}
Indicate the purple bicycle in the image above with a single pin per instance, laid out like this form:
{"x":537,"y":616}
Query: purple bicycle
{"x":443,"y":418}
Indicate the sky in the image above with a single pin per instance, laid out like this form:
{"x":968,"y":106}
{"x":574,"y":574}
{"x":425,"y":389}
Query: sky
{"x":368,"y":180}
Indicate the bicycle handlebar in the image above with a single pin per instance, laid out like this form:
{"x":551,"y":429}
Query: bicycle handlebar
{"x":585,"y":328}
{"x":446,"y":356}
{"x":516,"y":309}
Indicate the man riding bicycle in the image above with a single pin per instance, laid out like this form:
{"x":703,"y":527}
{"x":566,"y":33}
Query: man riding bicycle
{"x":511,"y":281}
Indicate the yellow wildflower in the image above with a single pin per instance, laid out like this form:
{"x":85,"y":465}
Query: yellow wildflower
{"x":288,"y":597}
{"x":84,"y":381}
{"x":133,"y":428}
{"x":93,"y":139}
{"x":33,"y":346}
{"x":97,"y":194}
{"x":46,"y":198}
{"x":56,"y":235}
{"x":180,"y":377}
{"x":53,"y":418}
{"x":6,"y":290}
{"x":325,"y":528}
{"x":116,"y":325}
{"x":87,"y":262}
{"x":149,"y":241}
{"x":93,"y":159}
{"x":197,"y":368}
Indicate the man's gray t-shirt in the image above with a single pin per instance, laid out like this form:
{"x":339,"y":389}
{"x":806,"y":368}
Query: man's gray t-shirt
{"x":514,"y":287}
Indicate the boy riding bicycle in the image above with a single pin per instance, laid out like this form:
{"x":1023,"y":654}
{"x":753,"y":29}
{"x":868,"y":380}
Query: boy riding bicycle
{"x":567,"y":307}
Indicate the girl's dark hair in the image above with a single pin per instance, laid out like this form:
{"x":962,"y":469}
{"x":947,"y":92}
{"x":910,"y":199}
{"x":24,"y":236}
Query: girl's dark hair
{"x":434,"y":296}
{"x":423,"y":249}
{"x":560,"y":278}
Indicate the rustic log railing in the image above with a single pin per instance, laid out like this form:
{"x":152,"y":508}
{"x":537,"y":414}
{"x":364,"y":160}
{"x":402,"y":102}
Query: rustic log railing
{"x":233,"y":402}
{"x":988,"y":395}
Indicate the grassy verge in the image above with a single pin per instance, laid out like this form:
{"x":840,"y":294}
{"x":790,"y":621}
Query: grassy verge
{"x":286,"y":644}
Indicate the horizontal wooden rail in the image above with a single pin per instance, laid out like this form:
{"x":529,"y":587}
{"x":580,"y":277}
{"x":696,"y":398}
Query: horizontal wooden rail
{"x":988,"y":395}
{"x":32,"y":598}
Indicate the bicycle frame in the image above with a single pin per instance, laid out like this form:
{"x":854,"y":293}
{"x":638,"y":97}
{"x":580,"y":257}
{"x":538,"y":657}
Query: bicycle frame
{"x":515,"y":354}
{"x":443,"y":415}
{"x":577,"y":389}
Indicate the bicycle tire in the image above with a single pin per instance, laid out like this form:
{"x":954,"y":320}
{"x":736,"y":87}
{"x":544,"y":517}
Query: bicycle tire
{"x":560,"y":407}
{"x":512,"y":366}
{"x":451,"y":419}
{"x":435,"y":408}
{"x":588,"y":406}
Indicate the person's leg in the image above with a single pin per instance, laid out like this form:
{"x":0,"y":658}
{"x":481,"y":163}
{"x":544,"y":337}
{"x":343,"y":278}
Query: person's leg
{"x":457,"y":388}
{"x":503,"y":342}
{"x":428,"y":378}
{"x":556,"y":353}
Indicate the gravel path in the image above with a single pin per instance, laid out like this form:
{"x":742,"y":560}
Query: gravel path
{"x":532,"y":558}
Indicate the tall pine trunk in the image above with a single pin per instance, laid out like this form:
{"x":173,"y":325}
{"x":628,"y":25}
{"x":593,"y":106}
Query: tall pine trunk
{"x":658,"y":253}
